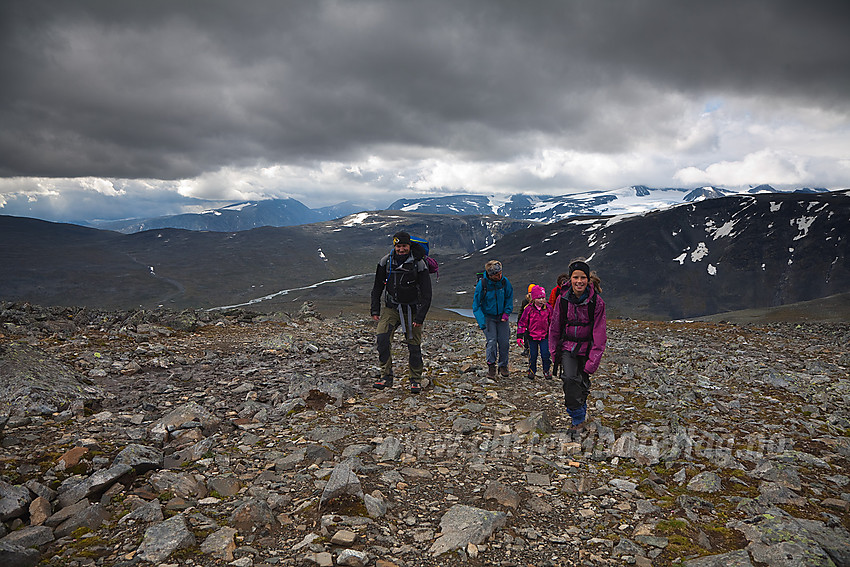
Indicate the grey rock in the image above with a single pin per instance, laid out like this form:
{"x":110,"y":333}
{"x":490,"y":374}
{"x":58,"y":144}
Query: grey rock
{"x":41,"y":490}
{"x":352,"y":558}
{"x":14,"y":501}
{"x":623,"y":485}
{"x":626,"y":547}
{"x":376,"y":506}
{"x":226,"y":486}
{"x":328,"y":434}
{"x":29,"y":536}
{"x":343,"y":480}
{"x":66,"y":512}
{"x":389,"y":450}
{"x":148,"y":512}
{"x":94,"y":484}
{"x":220,"y":544}
{"x":291,"y":461}
{"x":195,"y":451}
{"x":36,"y":383}
{"x":462,"y":525}
{"x":502,"y":494}
{"x":317,"y":454}
{"x":91,"y":516}
{"x":774,"y":493}
{"x":625,"y":446}
{"x":17,"y":556}
{"x":290,"y":405}
{"x":537,"y":479}
{"x":705,"y":482}
{"x":301,"y":386}
{"x":777,"y":538}
{"x":737,"y":558}
{"x":186,"y":413}
{"x":253,"y":516}
{"x":321,"y":558}
{"x":162,"y":539}
{"x":355,"y":450}
{"x":183,"y":485}
{"x":465,"y":425}
{"x":141,"y":457}
{"x":778,"y":472}
{"x":537,"y":421}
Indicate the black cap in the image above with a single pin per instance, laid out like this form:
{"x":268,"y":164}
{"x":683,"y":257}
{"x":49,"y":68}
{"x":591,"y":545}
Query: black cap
{"x":401,"y":238}
{"x":580,"y":266}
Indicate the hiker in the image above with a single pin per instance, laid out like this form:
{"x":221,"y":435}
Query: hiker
{"x":492,"y":305}
{"x":577,"y":337}
{"x":525,"y":338}
{"x":407,"y":284}
{"x":534,"y":324}
{"x":563,"y":280}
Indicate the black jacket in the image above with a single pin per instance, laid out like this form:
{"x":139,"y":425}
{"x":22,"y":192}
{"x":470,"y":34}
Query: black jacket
{"x":406,"y":281}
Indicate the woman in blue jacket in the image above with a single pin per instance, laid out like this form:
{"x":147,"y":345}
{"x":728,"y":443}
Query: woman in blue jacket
{"x":492,"y":306}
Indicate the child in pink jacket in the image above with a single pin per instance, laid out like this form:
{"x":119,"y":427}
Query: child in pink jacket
{"x":535,"y":319}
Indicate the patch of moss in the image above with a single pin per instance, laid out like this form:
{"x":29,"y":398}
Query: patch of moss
{"x":80,"y":532}
{"x":345,"y":505}
{"x":180,"y":555}
{"x":672,"y":525}
{"x":80,"y":468}
{"x":681,"y":545}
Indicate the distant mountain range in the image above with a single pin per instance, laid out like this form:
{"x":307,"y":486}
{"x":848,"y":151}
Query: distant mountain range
{"x":705,"y":257}
{"x":553,"y":208}
{"x":238,"y":216}
{"x":536,"y":208}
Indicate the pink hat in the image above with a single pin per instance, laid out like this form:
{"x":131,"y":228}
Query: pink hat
{"x":537,"y":292}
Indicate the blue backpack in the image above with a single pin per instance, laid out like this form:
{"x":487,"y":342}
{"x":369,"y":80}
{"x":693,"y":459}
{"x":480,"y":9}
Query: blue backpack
{"x":420,"y":249}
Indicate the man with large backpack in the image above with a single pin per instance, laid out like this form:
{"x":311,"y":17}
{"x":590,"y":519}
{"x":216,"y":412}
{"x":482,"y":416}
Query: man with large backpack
{"x":404,"y":281}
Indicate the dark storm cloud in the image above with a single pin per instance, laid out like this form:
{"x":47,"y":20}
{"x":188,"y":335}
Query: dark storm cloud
{"x":169,"y":90}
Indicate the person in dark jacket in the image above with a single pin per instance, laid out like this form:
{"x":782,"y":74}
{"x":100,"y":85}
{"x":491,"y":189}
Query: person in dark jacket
{"x":577,"y":337}
{"x":492,"y":306}
{"x":405,"y":283}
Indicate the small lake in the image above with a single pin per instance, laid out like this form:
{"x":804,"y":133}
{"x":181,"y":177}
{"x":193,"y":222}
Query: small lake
{"x":468,"y":313}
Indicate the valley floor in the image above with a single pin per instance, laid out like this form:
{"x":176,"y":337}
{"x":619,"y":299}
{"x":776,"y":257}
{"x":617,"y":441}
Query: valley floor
{"x":254,"y":441}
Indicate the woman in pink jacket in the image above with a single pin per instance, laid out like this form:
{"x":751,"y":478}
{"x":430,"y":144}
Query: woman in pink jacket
{"x":535,"y":321}
{"x":577,"y":337}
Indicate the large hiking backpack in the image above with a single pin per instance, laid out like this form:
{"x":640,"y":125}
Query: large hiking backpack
{"x":420,"y":249}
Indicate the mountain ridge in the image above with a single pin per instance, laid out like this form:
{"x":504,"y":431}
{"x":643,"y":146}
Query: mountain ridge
{"x":246,"y":215}
{"x":707,"y":257}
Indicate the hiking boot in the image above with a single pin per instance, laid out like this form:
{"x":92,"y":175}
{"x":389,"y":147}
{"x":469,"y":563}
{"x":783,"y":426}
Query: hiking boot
{"x":503,"y":370}
{"x":415,"y":387}
{"x":547,"y":375}
{"x":530,"y":375}
{"x":491,"y":370}
{"x":383,"y":382}
{"x":576,"y":430}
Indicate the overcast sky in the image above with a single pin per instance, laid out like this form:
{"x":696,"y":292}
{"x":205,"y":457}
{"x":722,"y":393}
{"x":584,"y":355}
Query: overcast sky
{"x":115,"y":109}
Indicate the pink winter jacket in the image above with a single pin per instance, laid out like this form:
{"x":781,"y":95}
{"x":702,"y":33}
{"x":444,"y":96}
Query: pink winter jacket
{"x":535,"y":320}
{"x":574,"y":337}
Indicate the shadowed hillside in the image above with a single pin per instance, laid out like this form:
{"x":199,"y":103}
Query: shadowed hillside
{"x":709,"y":257}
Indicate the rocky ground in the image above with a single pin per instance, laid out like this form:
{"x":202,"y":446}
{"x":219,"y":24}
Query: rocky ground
{"x":243,"y":439}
